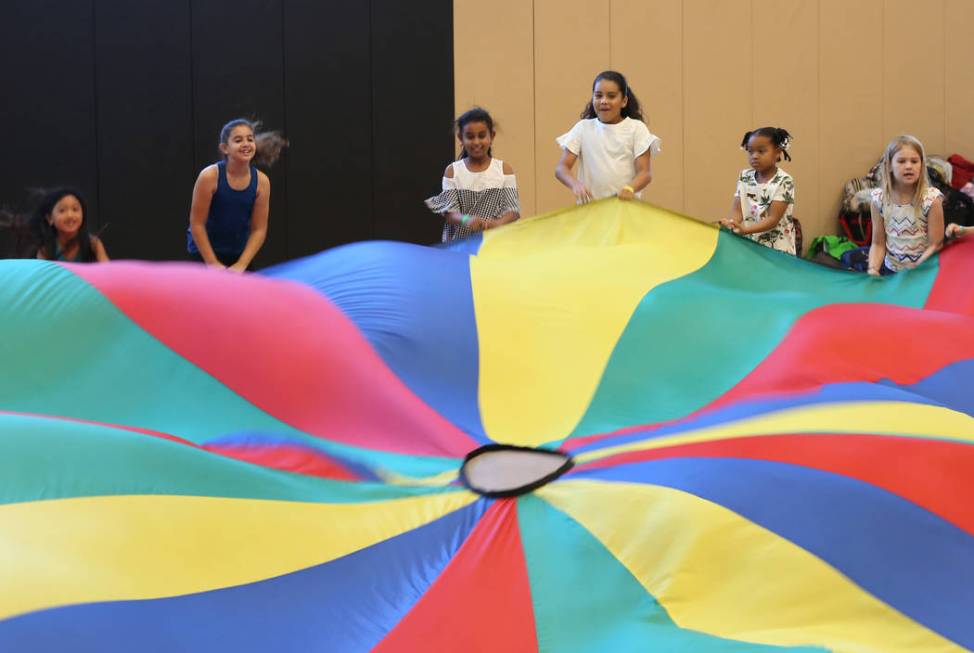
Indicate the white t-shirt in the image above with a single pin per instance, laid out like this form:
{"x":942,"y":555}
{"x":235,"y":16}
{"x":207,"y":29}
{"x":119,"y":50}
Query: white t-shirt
{"x":607,"y":153}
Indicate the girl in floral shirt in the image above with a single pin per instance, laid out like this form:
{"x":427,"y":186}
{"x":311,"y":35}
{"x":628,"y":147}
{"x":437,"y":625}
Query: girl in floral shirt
{"x":764,"y":202}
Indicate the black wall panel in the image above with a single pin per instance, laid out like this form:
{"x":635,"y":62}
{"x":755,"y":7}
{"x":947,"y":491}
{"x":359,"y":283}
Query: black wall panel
{"x":47,"y":75}
{"x":126,"y":100}
{"x":412,"y":72}
{"x":145,"y":126}
{"x":328,"y":97}
{"x":238,"y":71}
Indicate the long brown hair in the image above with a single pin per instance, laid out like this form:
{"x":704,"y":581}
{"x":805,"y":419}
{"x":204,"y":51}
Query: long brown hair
{"x":269,"y":144}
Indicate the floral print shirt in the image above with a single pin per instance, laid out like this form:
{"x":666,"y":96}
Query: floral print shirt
{"x":756,"y":199}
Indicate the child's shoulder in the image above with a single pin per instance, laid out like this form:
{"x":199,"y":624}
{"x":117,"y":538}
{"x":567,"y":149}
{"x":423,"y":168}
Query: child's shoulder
{"x":876,"y":197}
{"x":210,"y":173}
{"x":747,"y":176}
{"x":931,"y":195}
{"x":784,"y":179}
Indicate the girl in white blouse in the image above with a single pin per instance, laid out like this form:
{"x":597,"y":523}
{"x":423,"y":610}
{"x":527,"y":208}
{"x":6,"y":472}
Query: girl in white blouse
{"x":611,"y":143}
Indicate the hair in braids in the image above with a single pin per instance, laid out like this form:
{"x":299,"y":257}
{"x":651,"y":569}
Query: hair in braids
{"x":477,"y":114}
{"x":632,"y":108}
{"x":778,"y":136}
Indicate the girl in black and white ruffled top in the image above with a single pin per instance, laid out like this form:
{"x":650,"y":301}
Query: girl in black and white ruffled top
{"x":479,"y":191}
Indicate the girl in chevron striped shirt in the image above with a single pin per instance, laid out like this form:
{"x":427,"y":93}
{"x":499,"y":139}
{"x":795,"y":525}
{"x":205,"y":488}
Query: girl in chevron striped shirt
{"x":907,"y":212}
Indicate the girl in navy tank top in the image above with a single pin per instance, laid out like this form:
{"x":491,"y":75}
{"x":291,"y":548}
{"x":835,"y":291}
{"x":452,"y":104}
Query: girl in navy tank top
{"x":231,"y":200}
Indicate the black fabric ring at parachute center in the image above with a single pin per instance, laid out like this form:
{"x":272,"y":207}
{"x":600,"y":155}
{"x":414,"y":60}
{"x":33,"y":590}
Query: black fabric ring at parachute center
{"x":503,"y":470}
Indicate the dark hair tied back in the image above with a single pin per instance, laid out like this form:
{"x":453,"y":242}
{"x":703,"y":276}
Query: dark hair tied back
{"x":632,"y":108}
{"x":477,"y":114}
{"x":269,"y":144}
{"x":778,"y":136}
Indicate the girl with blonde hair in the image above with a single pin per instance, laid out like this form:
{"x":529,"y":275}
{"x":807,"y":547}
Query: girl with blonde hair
{"x":907,"y":212}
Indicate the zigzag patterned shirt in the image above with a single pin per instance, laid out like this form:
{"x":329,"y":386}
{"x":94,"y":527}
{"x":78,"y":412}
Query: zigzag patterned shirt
{"x":906,"y":232}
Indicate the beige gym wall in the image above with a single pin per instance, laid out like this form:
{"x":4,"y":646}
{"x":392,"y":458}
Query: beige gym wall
{"x":844,"y":76}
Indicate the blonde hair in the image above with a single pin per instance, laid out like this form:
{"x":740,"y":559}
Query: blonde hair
{"x":923,"y":182}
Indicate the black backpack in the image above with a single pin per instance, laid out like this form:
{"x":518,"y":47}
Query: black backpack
{"x":958,"y":207}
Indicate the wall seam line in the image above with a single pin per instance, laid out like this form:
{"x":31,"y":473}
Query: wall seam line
{"x":96,"y":116}
{"x":683,"y":102}
{"x":287,"y":187}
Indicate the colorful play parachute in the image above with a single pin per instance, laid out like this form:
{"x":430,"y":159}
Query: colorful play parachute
{"x":679,"y":441}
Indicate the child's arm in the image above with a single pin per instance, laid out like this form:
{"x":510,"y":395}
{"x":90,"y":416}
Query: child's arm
{"x":877,"y":248}
{"x":258,"y":224}
{"x":955,"y":230}
{"x":735,"y":216}
{"x":935,"y":230}
{"x":564,"y":174}
{"x":508,"y":216}
{"x":199,"y":211}
{"x":644,"y":175}
{"x":775,"y":212}
{"x":99,"y":247}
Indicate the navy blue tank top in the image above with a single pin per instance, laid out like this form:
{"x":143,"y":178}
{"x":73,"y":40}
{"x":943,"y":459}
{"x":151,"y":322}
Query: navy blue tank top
{"x":228,"y":223}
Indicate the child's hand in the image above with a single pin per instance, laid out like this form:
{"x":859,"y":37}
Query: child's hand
{"x":626,"y":193}
{"x":238,"y":267}
{"x":873,"y":272}
{"x":216,"y":266}
{"x":954,"y":230}
{"x":736,"y":227}
{"x":582,"y":193}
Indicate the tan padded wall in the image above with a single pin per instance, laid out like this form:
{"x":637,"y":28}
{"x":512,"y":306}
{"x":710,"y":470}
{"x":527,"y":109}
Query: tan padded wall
{"x":791,"y":101}
{"x":959,"y":42}
{"x":573,"y":42}
{"x":850,"y":100}
{"x":718,"y":89}
{"x":913,"y":90}
{"x":844,"y":76}
{"x":498,"y":74}
{"x":645,"y":32}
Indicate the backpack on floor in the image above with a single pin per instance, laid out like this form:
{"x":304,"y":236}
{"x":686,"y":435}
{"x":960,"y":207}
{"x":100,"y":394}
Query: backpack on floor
{"x":958,"y":206}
